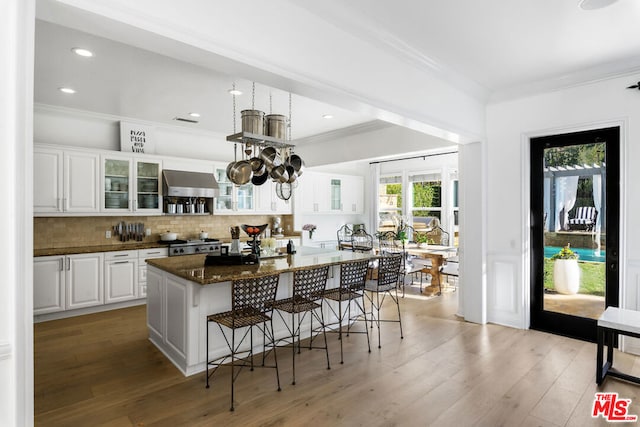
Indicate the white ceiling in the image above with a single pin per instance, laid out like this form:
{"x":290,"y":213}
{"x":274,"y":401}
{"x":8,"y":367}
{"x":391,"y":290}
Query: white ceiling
{"x":490,"y":49}
{"x":508,"y":48}
{"x":125,"y":81}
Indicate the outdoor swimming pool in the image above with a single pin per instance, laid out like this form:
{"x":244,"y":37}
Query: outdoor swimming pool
{"x":584,"y":254}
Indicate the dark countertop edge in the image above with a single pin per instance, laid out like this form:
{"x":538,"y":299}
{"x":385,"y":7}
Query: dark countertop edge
{"x":115,"y":248}
{"x":182,"y":273}
{"x":93,"y":249}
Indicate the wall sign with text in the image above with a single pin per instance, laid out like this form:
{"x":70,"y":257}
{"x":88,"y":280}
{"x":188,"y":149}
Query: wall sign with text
{"x":136,"y":138}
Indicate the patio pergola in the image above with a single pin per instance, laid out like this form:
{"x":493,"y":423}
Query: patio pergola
{"x":560,"y":189}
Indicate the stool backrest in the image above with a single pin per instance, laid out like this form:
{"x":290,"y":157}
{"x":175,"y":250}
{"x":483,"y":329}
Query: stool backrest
{"x":353,"y":275}
{"x":310,"y":283}
{"x":389,"y":269}
{"x":255,"y":292}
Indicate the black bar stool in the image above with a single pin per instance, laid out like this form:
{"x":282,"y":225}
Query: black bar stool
{"x":308,"y":288}
{"x":353,"y":276}
{"x":386,"y":285}
{"x":251,"y":301}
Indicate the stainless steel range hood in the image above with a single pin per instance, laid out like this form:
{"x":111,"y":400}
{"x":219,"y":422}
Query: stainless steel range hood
{"x":189,"y":184}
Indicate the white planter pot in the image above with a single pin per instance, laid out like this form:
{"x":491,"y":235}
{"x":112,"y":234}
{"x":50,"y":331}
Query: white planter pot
{"x":566,"y":276}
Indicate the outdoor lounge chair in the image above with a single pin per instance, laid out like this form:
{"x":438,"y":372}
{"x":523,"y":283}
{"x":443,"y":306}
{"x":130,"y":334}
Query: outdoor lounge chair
{"x":584,"y":218}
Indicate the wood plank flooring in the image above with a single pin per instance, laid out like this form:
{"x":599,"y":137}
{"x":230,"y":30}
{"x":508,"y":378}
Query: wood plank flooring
{"x":100,"y":370}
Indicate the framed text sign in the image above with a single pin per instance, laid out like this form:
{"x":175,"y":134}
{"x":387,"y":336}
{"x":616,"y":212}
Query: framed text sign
{"x":137,"y":138}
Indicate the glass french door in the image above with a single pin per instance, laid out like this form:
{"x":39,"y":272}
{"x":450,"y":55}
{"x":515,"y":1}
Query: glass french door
{"x":575,"y":201}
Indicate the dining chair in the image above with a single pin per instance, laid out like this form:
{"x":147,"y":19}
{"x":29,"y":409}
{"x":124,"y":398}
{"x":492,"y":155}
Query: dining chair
{"x":361,"y":241}
{"x":344,"y":237}
{"x":250,"y":307}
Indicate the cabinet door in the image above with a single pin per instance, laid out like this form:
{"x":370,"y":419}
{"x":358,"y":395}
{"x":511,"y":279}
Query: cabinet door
{"x":335,"y":194}
{"x":268,"y":202}
{"x":121,"y":280}
{"x":48,"y":284}
{"x":245,"y":198}
{"x":224,"y":203}
{"x":148,"y":198}
{"x":84,"y":280}
{"x":314,"y":191}
{"x":81,"y":182}
{"x":353,"y":195}
{"x":117,"y":173}
{"x":47,"y":180}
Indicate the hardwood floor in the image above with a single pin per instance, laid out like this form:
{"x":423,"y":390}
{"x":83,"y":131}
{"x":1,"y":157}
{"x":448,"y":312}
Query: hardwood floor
{"x":100,"y":370}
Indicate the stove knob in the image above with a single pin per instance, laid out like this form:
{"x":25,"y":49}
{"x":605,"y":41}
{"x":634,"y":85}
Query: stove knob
{"x":211,"y":248}
{"x":175,"y":251}
{"x":181,"y":251}
{"x":197,"y":249}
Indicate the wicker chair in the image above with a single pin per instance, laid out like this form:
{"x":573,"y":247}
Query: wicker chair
{"x":308,"y":289}
{"x":250,"y":300}
{"x":386,"y":285}
{"x":353,"y":276}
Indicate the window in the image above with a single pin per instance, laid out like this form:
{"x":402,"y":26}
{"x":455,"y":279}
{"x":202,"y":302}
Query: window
{"x":426,"y":192}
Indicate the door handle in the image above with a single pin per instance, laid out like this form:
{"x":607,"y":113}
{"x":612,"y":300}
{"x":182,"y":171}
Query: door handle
{"x":68,"y":264}
{"x":120,"y":262}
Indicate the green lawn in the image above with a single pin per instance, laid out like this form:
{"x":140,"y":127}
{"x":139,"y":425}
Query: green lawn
{"x":592,"y":279}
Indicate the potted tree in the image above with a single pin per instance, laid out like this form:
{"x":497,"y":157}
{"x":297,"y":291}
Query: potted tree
{"x":566,"y":272}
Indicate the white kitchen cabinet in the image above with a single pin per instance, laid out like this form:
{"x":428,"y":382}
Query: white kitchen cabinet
{"x":233,"y":199}
{"x":353,"y":195}
{"x":143,"y":256}
{"x":131,"y":185}
{"x":268,"y":202}
{"x":120,"y":276}
{"x":84,"y":280}
{"x":312,"y":194}
{"x":65,"y":181}
{"x":67,"y":282}
{"x":48,"y":284}
{"x":321,"y":193}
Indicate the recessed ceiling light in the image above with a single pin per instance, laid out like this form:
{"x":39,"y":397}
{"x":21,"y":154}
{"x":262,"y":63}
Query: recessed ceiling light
{"x":595,"y":4}
{"x":66,"y":90}
{"x":234,"y":92}
{"x":82,"y":52}
{"x":327,"y":116}
{"x":194,"y":114}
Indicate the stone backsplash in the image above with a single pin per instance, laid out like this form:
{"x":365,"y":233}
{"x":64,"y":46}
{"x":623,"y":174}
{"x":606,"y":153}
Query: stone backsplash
{"x":64,"y":232}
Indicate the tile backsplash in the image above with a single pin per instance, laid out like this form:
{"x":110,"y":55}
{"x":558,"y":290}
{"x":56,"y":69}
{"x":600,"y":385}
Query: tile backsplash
{"x":63,"y":232}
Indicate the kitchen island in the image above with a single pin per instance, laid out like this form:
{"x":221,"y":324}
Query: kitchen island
{"x":182,"y":292}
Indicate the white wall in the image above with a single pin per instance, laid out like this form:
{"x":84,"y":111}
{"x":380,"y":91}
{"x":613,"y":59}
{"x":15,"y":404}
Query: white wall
{"x":509,"y":126}
{"x":68,"y":127}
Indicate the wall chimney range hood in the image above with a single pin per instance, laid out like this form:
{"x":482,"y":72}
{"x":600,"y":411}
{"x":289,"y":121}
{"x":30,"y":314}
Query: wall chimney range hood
{"x":189,"y":184}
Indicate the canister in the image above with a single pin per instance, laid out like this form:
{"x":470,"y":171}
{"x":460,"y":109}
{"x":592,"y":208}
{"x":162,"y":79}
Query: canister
{"x":276,"y":126}
{"x":252,"y":121}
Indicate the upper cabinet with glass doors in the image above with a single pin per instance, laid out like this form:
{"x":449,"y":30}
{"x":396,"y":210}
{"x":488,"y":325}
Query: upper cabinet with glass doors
{"x":232,"y":198}
{"x":131,"y":184}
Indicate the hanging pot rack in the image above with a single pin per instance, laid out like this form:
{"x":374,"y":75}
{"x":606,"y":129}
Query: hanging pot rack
{"x":284,"y":176}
